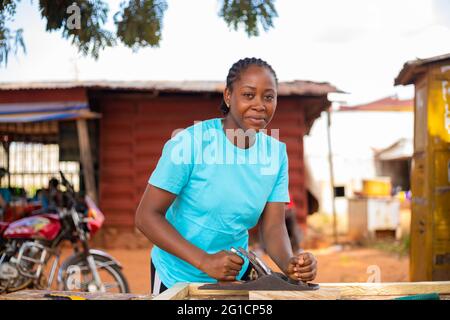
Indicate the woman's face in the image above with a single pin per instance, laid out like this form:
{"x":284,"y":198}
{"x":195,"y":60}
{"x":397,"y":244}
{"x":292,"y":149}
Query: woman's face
{"x":253,"y":98}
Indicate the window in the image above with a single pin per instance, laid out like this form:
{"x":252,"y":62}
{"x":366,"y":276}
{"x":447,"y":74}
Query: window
{"x":32,"y":165}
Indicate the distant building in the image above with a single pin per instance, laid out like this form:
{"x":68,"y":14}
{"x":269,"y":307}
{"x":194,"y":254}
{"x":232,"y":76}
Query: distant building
{"x":382,"y":105}
{"x":365,"y":141}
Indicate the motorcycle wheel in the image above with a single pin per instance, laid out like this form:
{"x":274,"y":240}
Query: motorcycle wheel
{"x":16,"y":284}
{"x":110,"y":273}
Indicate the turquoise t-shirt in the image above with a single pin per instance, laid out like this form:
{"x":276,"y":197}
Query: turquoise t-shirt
{"x":221,"y":192}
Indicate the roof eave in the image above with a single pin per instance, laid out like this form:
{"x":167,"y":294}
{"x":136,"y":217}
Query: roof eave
{"x":413,"y":69}
{"x":294,"y":88}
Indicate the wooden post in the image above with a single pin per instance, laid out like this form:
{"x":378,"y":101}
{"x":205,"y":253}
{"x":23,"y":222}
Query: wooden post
{"x":6,"y":143}
{"x":86,"y":159}
{"x":330,"y":161}
{"x":8,"y":164}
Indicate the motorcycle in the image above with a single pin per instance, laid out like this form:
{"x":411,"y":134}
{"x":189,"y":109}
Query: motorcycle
{"x":29,"y":244}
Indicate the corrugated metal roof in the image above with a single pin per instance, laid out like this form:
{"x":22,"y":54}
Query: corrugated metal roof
{"x":385,"y":104}
{"x":402,"y":149}
{"x":297,"y":87}
{"x":412,"y":68}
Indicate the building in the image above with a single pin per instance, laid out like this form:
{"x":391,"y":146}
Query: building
{"x":361,"y":137}
{"x":130,"y":122}
{"x":430,"y":221}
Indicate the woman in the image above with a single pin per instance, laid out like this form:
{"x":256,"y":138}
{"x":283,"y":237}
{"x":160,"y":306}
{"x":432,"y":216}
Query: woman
{"x":213,"y":182}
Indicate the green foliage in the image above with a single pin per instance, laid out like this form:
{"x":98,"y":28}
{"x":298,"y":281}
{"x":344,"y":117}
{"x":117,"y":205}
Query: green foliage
{"x":247,"y":13}
{"x":139,"y":22}
{"x":10,"y":40}
{"x":89,"y":37}
{"x":399,"y":247}
{"x":7,"y":8}
{"x":54,"y":12}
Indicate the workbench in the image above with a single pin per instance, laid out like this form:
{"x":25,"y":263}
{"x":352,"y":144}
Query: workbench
{"x":327,"y":291}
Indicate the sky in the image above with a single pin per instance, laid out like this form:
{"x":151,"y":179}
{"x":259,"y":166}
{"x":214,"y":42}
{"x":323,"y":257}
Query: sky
{"x":358,"y":46}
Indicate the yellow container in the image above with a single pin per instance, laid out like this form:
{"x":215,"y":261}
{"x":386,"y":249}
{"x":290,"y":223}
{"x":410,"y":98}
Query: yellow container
{"x":377,"y":187}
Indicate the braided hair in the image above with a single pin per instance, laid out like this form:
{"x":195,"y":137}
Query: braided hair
{"x":235,"y":71}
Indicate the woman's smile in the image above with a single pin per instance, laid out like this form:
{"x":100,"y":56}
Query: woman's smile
{"x":256,"y":121}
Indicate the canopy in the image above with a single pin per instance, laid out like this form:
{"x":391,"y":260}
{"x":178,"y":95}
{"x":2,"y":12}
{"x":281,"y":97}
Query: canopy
{"x":45,"y":111}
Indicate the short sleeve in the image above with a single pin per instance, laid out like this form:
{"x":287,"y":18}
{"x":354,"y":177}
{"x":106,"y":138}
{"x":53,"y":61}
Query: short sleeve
{"x":174,"y":167}
{"x":280,"y":191}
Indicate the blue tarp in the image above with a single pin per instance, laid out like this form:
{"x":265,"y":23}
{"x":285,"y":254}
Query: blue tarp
{"x":44,"y":111}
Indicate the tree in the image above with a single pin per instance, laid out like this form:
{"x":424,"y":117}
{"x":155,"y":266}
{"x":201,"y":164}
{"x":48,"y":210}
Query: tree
{"x":138,"y":22}
{"x":9,"y":40}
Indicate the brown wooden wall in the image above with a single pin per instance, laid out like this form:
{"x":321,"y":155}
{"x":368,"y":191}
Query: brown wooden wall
{"x":133,"y":131}
{"x":290,"y":120}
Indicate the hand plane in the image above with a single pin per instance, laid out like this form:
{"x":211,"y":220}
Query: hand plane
{"x":266,"y":279}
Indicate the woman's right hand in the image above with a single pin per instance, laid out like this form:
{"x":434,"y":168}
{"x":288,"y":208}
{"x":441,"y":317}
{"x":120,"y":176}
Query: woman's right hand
{"x":223,"y":265}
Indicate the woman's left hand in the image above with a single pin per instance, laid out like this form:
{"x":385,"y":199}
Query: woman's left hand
{"x":302,"y":267}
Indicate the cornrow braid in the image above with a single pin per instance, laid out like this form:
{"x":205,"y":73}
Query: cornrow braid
{"x":235,"y":72}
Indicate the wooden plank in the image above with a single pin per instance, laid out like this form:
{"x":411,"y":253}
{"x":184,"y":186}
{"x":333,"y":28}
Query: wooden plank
{"x":195,"y":291}
{"x":41,"y":295}
{"x":392,"y":297}
{"x":86,"y":159}
{"x":369,"y":291}
{"x":122,"y":203}
{"x":120,"y":220}
{"x":363,"y":291}
{"x":320,"y":294}
{"x":179,"y":291}
{"x":389,"y":288}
